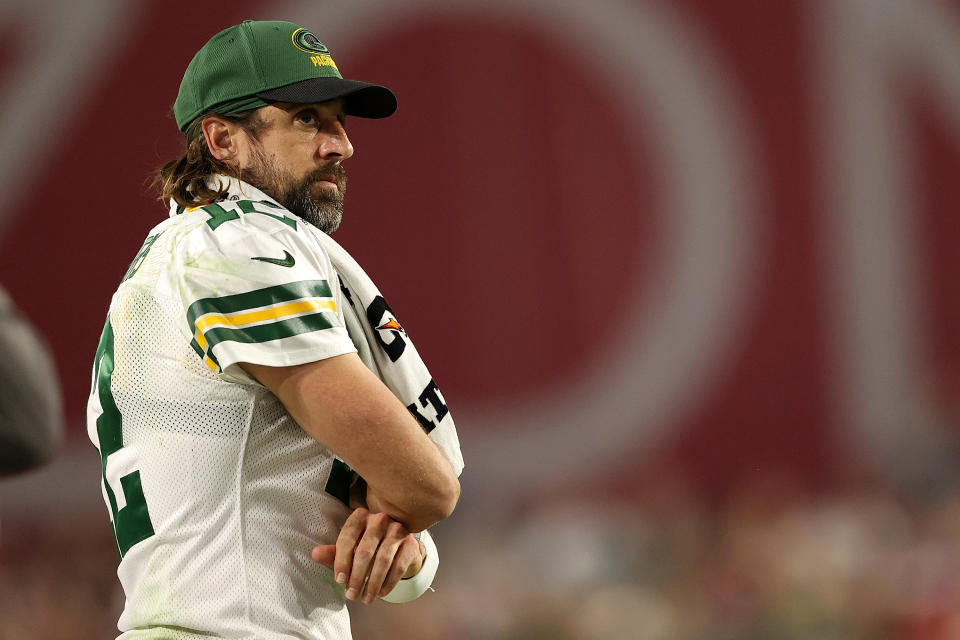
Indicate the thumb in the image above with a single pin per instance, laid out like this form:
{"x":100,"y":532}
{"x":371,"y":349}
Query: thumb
{"x":324,"y":554}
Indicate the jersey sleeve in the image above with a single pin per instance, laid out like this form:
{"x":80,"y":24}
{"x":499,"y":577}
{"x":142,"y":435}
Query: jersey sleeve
{"x":256,"y":290}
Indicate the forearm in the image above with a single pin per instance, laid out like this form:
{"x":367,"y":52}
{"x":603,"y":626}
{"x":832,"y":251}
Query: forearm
{"x":342,"y":404}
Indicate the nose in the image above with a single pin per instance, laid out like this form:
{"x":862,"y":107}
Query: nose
{"x":334,"y":142}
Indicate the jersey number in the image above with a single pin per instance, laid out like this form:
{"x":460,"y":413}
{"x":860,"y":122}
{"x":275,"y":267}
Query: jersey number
{"x":338,"y":484}
{"x":122,"y":489}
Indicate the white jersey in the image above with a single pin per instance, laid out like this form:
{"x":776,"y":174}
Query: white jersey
{"x":216,"y":495}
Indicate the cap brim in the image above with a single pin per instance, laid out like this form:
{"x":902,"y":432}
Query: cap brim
{"x":363,"y":99}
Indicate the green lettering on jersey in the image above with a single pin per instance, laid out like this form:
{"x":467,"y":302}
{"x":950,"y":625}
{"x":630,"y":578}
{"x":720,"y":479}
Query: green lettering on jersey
{"x":219,"y":215}
{"x":248,"y":206}
{"x":138,"y":259}
{"x":338,"y":484}
{"x":131,"y":523}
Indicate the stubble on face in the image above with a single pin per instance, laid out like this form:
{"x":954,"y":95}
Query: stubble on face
{"x":323,"y":208}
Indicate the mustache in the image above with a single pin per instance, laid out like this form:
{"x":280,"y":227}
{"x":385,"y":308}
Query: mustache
{"x":334,"y":169}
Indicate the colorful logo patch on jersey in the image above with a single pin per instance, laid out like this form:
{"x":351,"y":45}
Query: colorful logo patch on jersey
{"x":393,"y":325}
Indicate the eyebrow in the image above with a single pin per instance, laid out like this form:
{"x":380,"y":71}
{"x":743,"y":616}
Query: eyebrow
{"x":295,"y":106}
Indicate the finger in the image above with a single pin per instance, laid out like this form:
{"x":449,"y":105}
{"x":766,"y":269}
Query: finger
{"x":420,"y":556}
{"x":324,"y":554}
{"x":407,"y":555}
{"x":365,"y":552}
{"x":350,"y":534}
{"x":384,"y":560}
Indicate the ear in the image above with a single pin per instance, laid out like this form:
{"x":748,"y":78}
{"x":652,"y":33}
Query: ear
{"x":221,"y":138}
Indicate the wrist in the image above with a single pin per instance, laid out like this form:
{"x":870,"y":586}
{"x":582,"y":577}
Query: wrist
{"x":413,"y":587}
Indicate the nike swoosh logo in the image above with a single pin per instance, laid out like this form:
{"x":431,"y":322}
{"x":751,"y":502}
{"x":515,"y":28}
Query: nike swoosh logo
{"x":286,"y":261}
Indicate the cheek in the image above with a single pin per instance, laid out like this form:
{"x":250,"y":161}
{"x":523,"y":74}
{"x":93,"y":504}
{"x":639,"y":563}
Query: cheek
{"x":249,"y":157}
{"x":296,"y":156}
{"x":244,"y":158}
{"x":292,"y":154}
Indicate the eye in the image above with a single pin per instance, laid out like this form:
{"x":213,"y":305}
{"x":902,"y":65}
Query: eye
{"x":307,"y":116}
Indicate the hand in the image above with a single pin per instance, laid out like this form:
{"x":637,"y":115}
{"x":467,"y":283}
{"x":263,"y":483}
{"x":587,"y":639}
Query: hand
{"x":373,"y":552}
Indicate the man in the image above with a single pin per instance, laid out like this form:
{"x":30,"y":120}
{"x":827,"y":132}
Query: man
{"x":262,"y":416}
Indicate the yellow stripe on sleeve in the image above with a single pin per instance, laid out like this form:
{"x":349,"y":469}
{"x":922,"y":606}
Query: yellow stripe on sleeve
{"x":274,"y":313}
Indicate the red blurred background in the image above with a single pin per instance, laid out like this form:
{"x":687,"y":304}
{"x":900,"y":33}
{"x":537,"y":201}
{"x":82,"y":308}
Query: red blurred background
{"x":685,"y":264}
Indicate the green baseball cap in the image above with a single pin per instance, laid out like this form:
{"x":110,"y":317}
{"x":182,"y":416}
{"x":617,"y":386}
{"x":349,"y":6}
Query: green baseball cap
{"x":254,"y":63}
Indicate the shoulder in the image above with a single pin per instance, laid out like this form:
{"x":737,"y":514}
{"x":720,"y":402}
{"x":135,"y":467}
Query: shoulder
{"x":237,"y":229}
{"x":235,"y":219}
{"x":237,"y":245}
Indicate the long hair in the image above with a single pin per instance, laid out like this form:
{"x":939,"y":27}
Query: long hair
{"x":185,"y":179}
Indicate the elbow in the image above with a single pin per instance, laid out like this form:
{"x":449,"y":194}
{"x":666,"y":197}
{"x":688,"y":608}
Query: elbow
{"x":419,"y":509}
{"x":438,"y":504}
{"x":448,"y":498}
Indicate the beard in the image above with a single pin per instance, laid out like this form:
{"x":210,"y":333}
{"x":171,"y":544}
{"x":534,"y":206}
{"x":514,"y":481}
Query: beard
{"x":324,"y":211}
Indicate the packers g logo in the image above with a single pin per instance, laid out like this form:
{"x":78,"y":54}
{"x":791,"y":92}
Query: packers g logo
{"x":306,"y":41}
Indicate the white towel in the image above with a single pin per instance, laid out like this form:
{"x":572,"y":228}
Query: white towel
{"x":387,"y":350}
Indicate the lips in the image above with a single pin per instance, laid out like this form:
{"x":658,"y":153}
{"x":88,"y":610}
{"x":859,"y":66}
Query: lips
{"x":333,"y":175}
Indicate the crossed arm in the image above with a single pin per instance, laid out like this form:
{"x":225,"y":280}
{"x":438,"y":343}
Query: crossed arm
{"x":410,"y":485}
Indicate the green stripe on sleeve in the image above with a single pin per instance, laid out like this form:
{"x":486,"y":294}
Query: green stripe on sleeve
{"x":258,"y":298}
{"x":271,"y":331}
{"x":200,"y":352}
